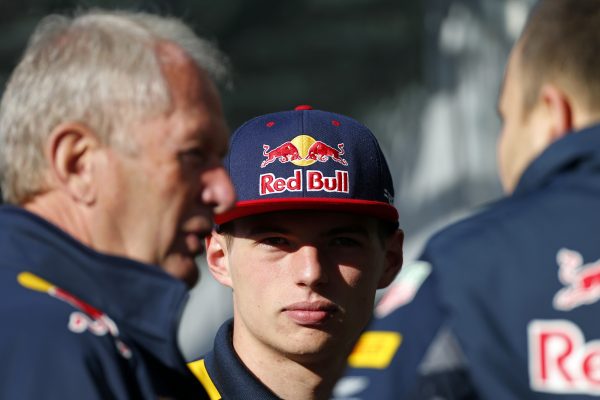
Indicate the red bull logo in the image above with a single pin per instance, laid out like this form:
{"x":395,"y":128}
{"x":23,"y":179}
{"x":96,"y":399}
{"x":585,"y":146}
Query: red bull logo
{"x":270,"y":184}
{"x":560,"y":360}
{"x":88,"y":319}
{"x":284,"y":153}
{"x":322,"y":152}
{"x":303,"y":150}
{"x":313,"y":180}
{"x":582,"y":281}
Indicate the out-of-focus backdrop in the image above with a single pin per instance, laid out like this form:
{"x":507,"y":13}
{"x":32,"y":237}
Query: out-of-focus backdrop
{"x":423,"y":75}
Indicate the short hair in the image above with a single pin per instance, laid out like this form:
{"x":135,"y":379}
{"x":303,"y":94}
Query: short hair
{"x":561,"y":41}
{"x":98,"y":68}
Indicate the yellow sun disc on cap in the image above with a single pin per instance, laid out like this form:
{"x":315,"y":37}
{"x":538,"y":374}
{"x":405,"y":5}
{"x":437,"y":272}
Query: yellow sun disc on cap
{"x":303,"y":143}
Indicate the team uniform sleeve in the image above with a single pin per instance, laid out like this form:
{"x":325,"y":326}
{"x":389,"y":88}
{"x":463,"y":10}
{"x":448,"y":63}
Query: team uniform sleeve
{"x":410,"y":311}
{"x":442,"y":371}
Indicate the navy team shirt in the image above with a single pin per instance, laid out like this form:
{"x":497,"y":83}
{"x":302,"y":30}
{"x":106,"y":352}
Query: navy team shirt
{"x":77,"y":324}
{"x":223,"y":374}
{"x":502,"y":305}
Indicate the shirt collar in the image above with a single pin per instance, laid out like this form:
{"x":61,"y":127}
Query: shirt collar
{"x":577,"y":150}
{"x":231,"y":377}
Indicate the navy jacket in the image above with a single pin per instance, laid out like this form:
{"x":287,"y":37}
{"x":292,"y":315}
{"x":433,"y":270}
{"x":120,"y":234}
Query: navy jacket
{"x":223,"y":374}
{"x":507,"y":301}
{"x":77,"y":324}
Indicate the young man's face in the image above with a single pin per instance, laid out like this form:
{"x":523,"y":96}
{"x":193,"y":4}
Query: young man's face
{"x":303,"y":282}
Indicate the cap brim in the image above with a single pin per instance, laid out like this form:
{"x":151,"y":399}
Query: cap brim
{"x":247,"y":208}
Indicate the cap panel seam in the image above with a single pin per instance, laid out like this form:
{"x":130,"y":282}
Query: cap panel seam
{"x":303,"y":124}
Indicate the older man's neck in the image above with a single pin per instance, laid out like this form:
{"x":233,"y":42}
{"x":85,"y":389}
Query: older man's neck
{"x":55,"y":208}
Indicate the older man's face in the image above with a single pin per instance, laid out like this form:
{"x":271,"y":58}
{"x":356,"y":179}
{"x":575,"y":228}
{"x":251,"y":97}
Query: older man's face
{"x":168,"y":191}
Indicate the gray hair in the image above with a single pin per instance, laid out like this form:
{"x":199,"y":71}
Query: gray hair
{"x":98,"y":68}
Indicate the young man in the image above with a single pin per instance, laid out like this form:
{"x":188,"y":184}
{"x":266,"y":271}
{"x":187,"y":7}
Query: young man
{"x":312,"y":237}
{"x":508,"y":308}
{"x":111,"y":136}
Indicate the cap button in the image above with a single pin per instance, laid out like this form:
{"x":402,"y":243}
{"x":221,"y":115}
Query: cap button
{"x":303,"y":107}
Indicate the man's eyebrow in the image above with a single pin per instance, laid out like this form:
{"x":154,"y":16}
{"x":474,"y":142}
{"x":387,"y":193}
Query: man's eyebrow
{"x":262,"y":229}
{"x":349,"y":229}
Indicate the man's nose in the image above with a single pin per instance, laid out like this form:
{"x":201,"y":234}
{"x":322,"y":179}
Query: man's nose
{"x":309,"y":269}
{"x":218,"y":191}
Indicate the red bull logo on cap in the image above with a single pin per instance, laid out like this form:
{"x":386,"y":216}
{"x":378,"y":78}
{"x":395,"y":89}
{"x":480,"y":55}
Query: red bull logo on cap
{"x":582,"y":281}
{"x":286,"y":152}
{"x":315,"y":181}
{"x":303,"y":150}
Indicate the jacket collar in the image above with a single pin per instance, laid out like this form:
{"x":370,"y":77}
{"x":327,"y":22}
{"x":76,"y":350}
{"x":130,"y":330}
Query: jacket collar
{"x":231,"y":377}
{"x":144,"y":301}
{"x":577,"y":151}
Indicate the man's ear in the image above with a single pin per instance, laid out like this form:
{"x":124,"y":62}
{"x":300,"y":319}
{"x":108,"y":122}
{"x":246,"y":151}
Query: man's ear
{"x":393,"y":258}
{"x":559,"y":112}
{"x":217,"y":258}
{"x":69,"y":151}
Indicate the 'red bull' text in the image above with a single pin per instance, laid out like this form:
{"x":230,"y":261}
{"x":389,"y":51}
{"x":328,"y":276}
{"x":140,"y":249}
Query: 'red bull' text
{"x":314,"y":181}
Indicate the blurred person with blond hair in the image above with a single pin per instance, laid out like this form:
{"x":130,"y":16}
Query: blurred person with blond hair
{"x":504,"y":304}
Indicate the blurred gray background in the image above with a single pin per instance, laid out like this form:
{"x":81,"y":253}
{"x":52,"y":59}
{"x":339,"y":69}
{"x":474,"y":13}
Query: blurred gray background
{"x":424,"y":75}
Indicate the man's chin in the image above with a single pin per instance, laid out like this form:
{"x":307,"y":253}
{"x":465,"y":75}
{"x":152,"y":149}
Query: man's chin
{"x":183,"y":268}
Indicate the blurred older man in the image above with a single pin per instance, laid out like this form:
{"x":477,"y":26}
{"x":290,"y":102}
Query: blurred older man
{"x":111,"y":136}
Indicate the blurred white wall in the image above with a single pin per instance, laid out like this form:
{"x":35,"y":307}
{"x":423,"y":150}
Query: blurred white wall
{"x":440,"y":136}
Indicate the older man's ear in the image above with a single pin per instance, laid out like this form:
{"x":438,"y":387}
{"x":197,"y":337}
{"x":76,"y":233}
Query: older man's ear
{"x":69,"y":152}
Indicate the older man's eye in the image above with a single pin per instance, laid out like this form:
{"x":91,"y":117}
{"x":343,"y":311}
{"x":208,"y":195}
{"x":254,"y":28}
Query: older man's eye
{"x":195,"y":156}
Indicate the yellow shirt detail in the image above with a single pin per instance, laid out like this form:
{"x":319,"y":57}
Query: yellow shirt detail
{"x":375,"y":349}
{"x":34,"y":282}
{"x":199,"y":369}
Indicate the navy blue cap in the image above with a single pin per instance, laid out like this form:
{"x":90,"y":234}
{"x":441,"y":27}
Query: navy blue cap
{"x":308,"y":159}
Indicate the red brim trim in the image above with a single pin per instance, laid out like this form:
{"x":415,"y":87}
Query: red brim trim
{"x":252,"y":207}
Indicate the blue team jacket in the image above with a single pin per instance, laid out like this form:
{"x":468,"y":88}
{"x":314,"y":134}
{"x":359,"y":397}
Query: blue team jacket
{"x":77,"y":324}
{"x":223,"y":374}
{"x":506,"y":304}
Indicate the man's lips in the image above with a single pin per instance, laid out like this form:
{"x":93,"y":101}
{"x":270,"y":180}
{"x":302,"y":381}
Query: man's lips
{"x":310,"y":313}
